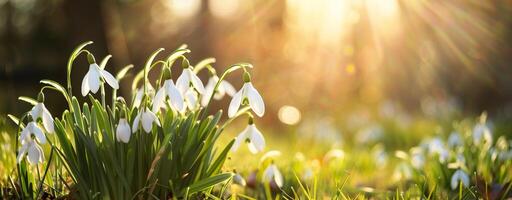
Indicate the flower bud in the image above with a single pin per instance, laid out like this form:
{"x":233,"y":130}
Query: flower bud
{"x":247,"y":77}
{"x":90,"y":58}
{"x":40,"y":97}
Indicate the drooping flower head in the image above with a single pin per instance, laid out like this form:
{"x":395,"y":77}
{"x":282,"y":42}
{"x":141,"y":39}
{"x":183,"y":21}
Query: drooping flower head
{"x":252,"y":136}
{"x":39,"y":111}
{"x":168,"y":90}
{"x":272,"y":174}
{"x":30,"y":136}
{"x":251,"y":95}
{"x":188,"y":78}
{"x":146,"y":117}
{"x":224,"y":88}
{"x":460,"y":176}
{"x":94,"y":76}
{"x":123,"y":131}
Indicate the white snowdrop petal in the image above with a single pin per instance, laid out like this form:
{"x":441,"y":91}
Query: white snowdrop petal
{"x":175,"y":97}
{"x":278,"y":178}
{"x":230,"y":90}
{"x":196,"y":82}
{"x":138,"y":98}
{"x":34,"y":154}
{"x":242,"y":136}
{"x":123,"y":132}
{"x":255,"y":100}
{"x":159,"y":100}
{"x":257,"y":141}
{"x":136,"y":122}
{"x":154,"y":118}
{"x":94,"y":81}
{"x":48,"y":120}
{"x":85,"y":85}
{"x":109,"y":79}
{"x":147,"y":122}
{"x":36,"y":111}
{"x":22,"y":152}
{"x":38,"y":133}
{"x":191,"y":99}
{"x":235,"y":104}
{"x":183,"y":82}
{"x":268,"y":174}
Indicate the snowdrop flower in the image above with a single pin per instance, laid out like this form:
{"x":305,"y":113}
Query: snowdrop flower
{"x":482,"y":134}
{"x":187,"y":77}
{"x":417,"y":158}
{"x":251,"y":94}
{"x":123,"y":131}
{"x":252,"y":136}
{"x":171,"y":91}
{"x":29,"y":144}
{"x":40,"y":111}
{"x":147,"y":117}
{"x":91,"y":81}
{"x":402,"y":172}
{"x":191,"y":99}
{"x":223,"y":89}
{"x":238,"y":179}
{"x":455,"y":140}
{"x":334,"y":154}
{"x":459,"y":176}
{"x":272,"y":173}
{"x":436,"y":147}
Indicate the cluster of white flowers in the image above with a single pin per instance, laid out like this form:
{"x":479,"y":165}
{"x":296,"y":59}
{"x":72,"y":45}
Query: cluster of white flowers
{"x":32,"y":135}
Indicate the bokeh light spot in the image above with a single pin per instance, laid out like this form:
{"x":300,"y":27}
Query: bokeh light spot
{"x":289,"y":115}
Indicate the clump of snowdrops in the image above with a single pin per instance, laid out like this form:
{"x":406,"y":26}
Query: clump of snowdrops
{"x":161,"y":145}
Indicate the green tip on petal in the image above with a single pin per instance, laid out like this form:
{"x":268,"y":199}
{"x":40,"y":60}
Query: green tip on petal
{"x":247,"y":77}
{"x":40,"y":97}
{"x":90,"y":58}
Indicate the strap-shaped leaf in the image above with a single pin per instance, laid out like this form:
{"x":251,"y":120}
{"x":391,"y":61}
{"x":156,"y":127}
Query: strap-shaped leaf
{"x":122,"y":73}
{"x":28,"y":100}
{"x":209,"y":182}
{"x":58,"y":87}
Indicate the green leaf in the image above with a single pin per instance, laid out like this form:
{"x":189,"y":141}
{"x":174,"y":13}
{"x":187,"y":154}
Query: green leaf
{"x":120,"y":75}
{"x":203,"y":63}
{"x":28,"y":100}
{"x":209,"y":182}
{"x":104,"y":62}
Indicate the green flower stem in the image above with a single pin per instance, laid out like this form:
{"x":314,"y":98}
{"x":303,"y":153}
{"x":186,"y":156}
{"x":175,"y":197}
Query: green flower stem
{"x":71,"y":59}
{"x":102,"y":87}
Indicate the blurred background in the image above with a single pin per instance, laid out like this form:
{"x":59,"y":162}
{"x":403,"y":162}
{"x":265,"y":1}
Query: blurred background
{"x":328,"y":60}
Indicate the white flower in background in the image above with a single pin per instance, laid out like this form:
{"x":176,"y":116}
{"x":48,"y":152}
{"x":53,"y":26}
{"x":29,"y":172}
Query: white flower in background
{"x":272,"y":173}
{"x":40,"y":111}
{"x":186,"y":78}
{"x":140,"y":94}
{"x":29,"y":145}
{"x":223,"y":89}
{"x":457,"y":177}
{"x":437,"y":147}
{"x":253,"y":97}
{"x":238,"y":179}
{"x":171,"y":91}
{"x":191,"y":99}
{"x":455,"y":140}
{"x":334,"y":154}
{"x":402,"y":172}
{"x":91,"y":81}
{"x":123,"y":131}
{"x":417,"y":158}
{"x":147,"y":117}
{"x":252,"y":136}
{"x":482,"y":134}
